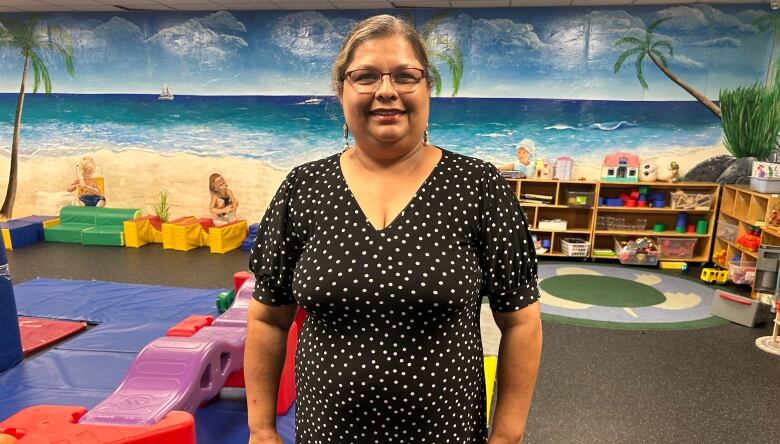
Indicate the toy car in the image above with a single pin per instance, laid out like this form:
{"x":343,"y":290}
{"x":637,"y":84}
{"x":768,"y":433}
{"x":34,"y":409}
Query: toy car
{"x":714,"y":275}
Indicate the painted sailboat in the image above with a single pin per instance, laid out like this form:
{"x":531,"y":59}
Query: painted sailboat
{"x":167,"y":94}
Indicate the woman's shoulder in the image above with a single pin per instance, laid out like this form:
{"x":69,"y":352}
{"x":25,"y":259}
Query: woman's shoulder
{"x":469,"y":164}
{"x":309,"y":172}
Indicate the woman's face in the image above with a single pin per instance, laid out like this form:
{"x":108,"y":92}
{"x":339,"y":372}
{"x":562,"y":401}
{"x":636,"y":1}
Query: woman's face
{"x":385,"y":118}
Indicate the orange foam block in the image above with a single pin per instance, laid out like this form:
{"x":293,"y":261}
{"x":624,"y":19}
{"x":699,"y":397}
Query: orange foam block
{"x":190,"y":325}
{"x":58,"y":424}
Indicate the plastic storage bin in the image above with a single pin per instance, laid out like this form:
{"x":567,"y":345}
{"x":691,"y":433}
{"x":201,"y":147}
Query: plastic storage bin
{"x":735,"y":308}
{"x":765,"y":185}
{"x":743,"y":273}
{"x":572,"y":246}
{"x":643,"y":251}
{"x":676,"y":247}
{"x":727,"y":231}
{"x":576,"y":198}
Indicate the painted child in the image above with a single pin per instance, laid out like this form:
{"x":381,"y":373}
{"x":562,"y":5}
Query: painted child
{"x":223,"y":202}
{"x":524,"y":164}
{"x":86,"y":186}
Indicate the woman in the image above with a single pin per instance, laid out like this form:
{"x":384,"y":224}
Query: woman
{"x":389,"y":247}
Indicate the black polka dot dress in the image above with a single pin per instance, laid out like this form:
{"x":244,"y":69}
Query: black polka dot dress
{"x":391,"y":350}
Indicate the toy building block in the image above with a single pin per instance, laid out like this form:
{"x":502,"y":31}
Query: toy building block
{"x":169,"y":231}
{"x":239,"y":278}
{"x":250,"y":238}
{"x":190,"y":325}
{"x":224,"y":300}
{"x":48,"y":424}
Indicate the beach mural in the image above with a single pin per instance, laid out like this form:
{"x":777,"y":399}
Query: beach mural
{"x":162,"y":100}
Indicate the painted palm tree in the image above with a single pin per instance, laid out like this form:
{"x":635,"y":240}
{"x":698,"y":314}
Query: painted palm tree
{"x":30,"y":39}
{"x":652,"y":49}
{"x":771,"y":23}
{"x":441,"y":49}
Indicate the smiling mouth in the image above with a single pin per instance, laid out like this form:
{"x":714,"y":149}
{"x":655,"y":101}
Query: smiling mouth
{"x":387,"y":112}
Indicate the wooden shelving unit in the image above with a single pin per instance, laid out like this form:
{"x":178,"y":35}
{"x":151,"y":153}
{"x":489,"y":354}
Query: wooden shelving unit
{"x":604,"y":238}
{"x":579,"y":219}
{"x":741,"y":208}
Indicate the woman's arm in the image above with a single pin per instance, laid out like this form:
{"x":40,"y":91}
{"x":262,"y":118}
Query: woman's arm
{"x":266,"y":343}
{"x":518,"y":364}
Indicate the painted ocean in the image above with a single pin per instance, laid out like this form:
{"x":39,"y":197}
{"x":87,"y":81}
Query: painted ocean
{"x":284,"y":131}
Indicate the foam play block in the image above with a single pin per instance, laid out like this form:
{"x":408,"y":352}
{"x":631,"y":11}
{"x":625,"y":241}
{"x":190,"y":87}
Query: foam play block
{"x":10,"y":342}
{"x":142,"y":231}
{"x":228,"y":237}
{"x":39,"y":333}
{"x":20,"y":233}
{"x":491,"y":362}
{"x":60,"y":424}
{"x":109,"y":226}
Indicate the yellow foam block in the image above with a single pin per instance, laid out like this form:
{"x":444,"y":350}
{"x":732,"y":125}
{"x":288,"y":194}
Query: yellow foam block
{"x":228,"y":237}
{"x":491,"y":362}
{"x":168,"y":235}
{"x":189,"y":235}
{"x":51,"y":222}
{"x":136,"y":232}
{"x":7,"y":239}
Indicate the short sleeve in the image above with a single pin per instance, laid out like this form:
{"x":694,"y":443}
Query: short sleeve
{"x":507,"y":255}
{"x":277,"y":247}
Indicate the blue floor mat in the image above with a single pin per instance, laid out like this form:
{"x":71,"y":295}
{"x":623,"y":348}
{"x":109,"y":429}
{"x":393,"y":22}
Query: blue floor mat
{"x":85,"y":369}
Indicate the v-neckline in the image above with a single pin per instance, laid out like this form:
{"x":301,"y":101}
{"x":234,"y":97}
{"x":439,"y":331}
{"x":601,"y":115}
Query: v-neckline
{"x":408,"y":203}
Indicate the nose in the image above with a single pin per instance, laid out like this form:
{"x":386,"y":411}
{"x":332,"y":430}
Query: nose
{"x":386,"y":89}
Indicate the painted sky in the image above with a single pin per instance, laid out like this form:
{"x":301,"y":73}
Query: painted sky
{"x":565,"y":53}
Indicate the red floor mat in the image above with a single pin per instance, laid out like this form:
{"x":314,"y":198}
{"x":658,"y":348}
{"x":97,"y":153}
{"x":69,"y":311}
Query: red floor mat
{"x":39,"y":333}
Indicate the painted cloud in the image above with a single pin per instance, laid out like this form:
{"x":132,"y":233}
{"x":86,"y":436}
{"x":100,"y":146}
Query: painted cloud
{"x":689,"y":18}
{"x":310,"y":35}
{"x":202,"y":39}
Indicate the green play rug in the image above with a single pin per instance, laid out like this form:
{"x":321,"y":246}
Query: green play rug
{"x":623,"y":297}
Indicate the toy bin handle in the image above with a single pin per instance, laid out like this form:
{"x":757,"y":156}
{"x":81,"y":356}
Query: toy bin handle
{"x":731,"y":298}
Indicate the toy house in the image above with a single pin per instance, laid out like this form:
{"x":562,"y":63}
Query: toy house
{"x":620,"y":167}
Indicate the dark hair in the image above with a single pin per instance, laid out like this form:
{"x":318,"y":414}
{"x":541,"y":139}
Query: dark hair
{"x":375,"y":27}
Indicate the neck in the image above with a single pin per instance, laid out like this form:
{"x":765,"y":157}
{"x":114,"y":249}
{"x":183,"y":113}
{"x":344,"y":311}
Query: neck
{"x":369,"y":161}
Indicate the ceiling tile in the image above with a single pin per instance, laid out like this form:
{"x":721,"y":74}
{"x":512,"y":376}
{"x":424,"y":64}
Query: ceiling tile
{"x":600,"y":2}
{"x":233,"y":6}
{"x":422,"y":4}
{"x":521,"y":3}
{"x":306,"y":5}
{"x":479,"y":3}
{"x":383,"y":4}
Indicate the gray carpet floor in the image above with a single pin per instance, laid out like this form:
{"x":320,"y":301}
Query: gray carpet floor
{"x":595,"y":385}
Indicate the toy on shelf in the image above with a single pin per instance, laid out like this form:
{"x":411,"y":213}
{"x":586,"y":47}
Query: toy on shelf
{"x":750,"y":238}
{"x":765,"y":177}
{"x":690,"y":201}
{"x":719,"y":257}
{"x":677,"y":247}
{"x":563,"y":166}
{"x":620,"y":167}
{"x":674,"y":172}
{"x":714,"y":275}
{"x":648,"y":172}
{"x":542,"y":170}
{"x":640,"y":251}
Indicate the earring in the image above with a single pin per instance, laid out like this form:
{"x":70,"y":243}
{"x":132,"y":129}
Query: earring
{"x":346,"y":137}
{"x":425,"y":137}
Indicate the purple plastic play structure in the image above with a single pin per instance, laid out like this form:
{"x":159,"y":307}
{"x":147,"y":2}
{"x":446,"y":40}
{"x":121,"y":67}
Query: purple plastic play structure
{"x":179,"y":373}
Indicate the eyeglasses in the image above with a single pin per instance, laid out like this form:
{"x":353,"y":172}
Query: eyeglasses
{"x":368,"y":81}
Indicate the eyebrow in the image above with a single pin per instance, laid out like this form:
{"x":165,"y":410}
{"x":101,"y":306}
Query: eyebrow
{"x":369,"y":66}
